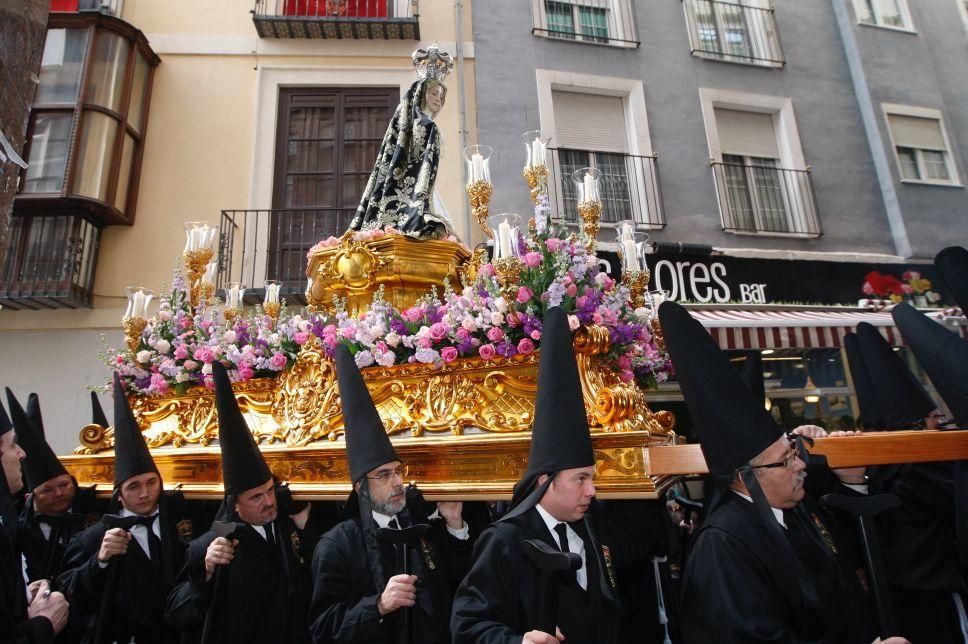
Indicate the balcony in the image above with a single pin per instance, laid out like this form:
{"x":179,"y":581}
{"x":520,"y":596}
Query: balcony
{"x":110,"y":7}
{"x":603,"y":22}
{"x":733,"y":32}
{"x":260,"y":245}
{"x":766,"y":199}
{"x":629,"y":186}
{"x":49,"y":263}
{"x":351,"y":19}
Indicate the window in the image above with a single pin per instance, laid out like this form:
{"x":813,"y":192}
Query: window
{"x":598,"y":21}
{"x":883,"y":13}
{"x":920,"y":145}
{"x":733,"y":30}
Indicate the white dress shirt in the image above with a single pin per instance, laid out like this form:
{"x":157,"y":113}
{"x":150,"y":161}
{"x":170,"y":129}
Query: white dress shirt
{"x":463,"y":533}
{"x":777,"y":513}
{"x":575,"y":543}
{"x":140,"y":532}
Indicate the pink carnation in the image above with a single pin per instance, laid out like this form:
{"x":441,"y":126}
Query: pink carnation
{"x":525,"y":346}
{"x":487,"y":351}
{"x":532,"y":259}
{"x":536,"y":335}
{"x":495,"y":334}
{"x":449,"y":354}
{"x":181,"y":353}
{"x":524,"y":294}
{"x":190,"y":365}
{"x":158,"y":383}
{"x":204,"y":355}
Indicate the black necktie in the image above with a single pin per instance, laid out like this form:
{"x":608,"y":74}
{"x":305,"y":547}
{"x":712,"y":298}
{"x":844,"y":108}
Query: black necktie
{"x":270,"y":536}
{"x":562,"y":530}
{"x":154,"y":543}
{"x":393,"y":524}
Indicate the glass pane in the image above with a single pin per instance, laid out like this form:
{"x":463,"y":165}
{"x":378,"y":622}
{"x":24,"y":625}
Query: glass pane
{"x":735,"y":36}
{"x":865,"y":11}
{"x":569,"y":161}
{"x":139,"y":85}
{"x":907,"y":158}
{"x":889,"y":13}
{"x":61,"y":66}
{"x":739,"y":204}
{"x":358,"y":156}
{"x":312,"y":123}
{"x":706,"y":27}
{"x":364,"y":122}
{"x":935,"y":166}
{"x":616,"y":202}
{"x":561,"y":22}
{"x":310,"y":156}
{"x":97,"y":141}
{"x":309,"y":190}
{"x":769,"y":194}
{"x":594,"y":24}
{"x":105,"y":82}
{"x":124,"y":174}
{"x":48,"y":152}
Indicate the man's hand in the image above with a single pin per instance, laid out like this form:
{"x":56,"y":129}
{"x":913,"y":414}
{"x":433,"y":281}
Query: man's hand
{"x":115,"y":542}
{"x":220,"y":552}
{"x":540,"y":637}
{"x":401,"y":591}
{"x":53,"y":606}
{"x":811,"y":431}
{"x":452,"y":513}
{"x":891,"y":640}
{"x":301,"y":517}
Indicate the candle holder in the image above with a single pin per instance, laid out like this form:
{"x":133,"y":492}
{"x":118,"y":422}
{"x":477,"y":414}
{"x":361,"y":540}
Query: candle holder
{"x":477,"y":158}
{"x":589,"y":203}
{"x":536,"y":163}
{"x":233,"y":301}
{"x":207,"y":286}
{"x":199,"y":250}
{"x":271,"y":303}
{"x":637,"y":283}
{"x":135,"y":316}
{"x":506,"y":261}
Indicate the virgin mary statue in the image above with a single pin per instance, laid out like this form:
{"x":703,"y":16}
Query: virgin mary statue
{"x":400,"y":191}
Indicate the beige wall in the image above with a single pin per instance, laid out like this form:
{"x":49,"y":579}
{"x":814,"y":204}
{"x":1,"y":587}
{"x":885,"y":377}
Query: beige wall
{"x":208,"y":147}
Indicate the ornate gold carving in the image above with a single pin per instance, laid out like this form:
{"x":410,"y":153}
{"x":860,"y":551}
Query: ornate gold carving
{"x":479,"y":194}
{"x":133,"y":326}
{"x":196,"y":261}
{"x":590,"y":213}
{"x":536,"y":176}
{"x":637,"y":283}
{"x":94,"y":439}
{"x":272,"y":310}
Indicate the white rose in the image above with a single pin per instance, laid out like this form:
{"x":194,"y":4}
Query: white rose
{"x":207,"y":368}
{"x":229,"y":337}
{"x":163,"y":347}
{"x":497,"y":319}
{"x":392,"y":339}
{"x":144,"y":357}
{"x":501,"y":304}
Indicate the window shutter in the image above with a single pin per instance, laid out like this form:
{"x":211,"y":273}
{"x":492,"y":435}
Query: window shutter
{"x":590,"y":122}
{"x":862,"y":8}
{"x":915,"y":132}
{"x":746,"y":133}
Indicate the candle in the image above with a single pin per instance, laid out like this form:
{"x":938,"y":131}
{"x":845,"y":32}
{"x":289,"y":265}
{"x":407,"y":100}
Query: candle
{"x":627,"y":231}
{"x":234,"y":297}
{"x":138,"y":305}
{"x":591,"y":192}
{"x":209,"y":277}
{"x":477,"y":167}
{"x":504,"y":239}
{"x":272,"y":293}
{"x":630,"y":257}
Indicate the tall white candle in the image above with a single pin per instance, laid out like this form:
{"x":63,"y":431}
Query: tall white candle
{"x":477,"y":167}
{"x":627,"y":231}
{"x":629,"y":256}
{"x":272,"y":293}
{"x":234,"y":297}
{"x":138,"y":305}
{"x":591,"y":193}
{"x":504,"y":238}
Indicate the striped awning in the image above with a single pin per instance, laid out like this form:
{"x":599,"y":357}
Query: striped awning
{"x":793,"y":328}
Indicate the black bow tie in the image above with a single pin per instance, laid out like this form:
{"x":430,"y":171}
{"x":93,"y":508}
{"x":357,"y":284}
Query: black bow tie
{"x":56,"y":521}
{"x":126,"y":523}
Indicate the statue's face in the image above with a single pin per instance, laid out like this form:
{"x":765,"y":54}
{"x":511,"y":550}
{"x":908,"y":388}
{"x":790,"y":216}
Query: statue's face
{"x":435,"y":99}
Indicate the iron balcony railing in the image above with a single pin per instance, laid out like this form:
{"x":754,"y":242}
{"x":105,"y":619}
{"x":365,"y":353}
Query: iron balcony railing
{"x":629,"y":186}
{"x":260,"y":245}
{"x":732,"y":31}
{"x":49,"y":262}
{"x":766,"y":199}
{"x":605,"y":22}
{"x":359,"y":19}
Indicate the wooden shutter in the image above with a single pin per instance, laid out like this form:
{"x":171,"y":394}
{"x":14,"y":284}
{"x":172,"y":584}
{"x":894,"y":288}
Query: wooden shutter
{"x":915,"y":132}
{"x":746,"y":133}
{"x":590,"y":122}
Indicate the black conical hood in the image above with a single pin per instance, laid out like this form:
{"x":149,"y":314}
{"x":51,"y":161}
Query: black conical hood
{"x":942,"y":354}
{"x":901,"y":399}
{"x":131,"y":455}
{"x":952,"y":265}
{"x":732,"y":425}
{"x":560,"y":439}
{"x":33,"y":413}
{"x":870,"y":416}
{"x":367,"y":444}
{"x":753,"y":375}
{"x":97,"y":413}
{"x":243,"y":466}
{"x":5,"y":424}
{"x":41,"y":464}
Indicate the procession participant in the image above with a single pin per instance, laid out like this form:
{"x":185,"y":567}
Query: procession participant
{"x":118,"y":571}
{"x":245,"y":579}
{"x":554,"y":503}
{"x":31,"y":615}
{"x":359,"y":594}
{"x":763,"y":567}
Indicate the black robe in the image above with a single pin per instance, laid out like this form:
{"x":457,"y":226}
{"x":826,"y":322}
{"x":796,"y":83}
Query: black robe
{"x":14,"y":625}
{"x":498,"y":600}
{"x":132,"y":589}
{"x":45,"y":557}
{"x":731,"y":590}
{"x":260,"y":597}
{"x":345,"y":595}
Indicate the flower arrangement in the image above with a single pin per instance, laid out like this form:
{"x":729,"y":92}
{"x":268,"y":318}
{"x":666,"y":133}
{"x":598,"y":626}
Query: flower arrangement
{"x":914,"y":284}
{"x":890,"y":287}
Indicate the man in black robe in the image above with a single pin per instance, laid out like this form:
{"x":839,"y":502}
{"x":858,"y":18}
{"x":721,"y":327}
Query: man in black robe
{"x":55,"y":509}
{"x":498,"y":601}
{"x":245,"y":579}
{"x":33,"y":615}
{"x":359,"y":595}
{"x":118,"y":572}
{"x":763,"y":567}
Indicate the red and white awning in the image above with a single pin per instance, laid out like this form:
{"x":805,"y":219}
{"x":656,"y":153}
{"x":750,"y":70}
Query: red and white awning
{"x":793,"y":329}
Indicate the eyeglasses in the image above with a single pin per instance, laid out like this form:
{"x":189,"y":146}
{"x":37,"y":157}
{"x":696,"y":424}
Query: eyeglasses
{"x":786,"y":462}
{"x":385,"y":475}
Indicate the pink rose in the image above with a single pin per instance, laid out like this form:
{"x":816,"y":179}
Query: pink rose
{"x":525,"y":346}
{"x":423,"y":343}
{"x":439,"y":331}
{"x":412,"y":314}
{"x":524,"y":295}
{"x":278,"y":362}
{"x":245,"y":373}
{"x":486,"y":351}
{"x":536,"y":335}
{"x":469,"y":323}
{"x":597,"y":318}
{"x":624,"y":362}
{"x":204,"y":355}
{"x":449,"y":354}
{"x":377,"y":234}
{"x":553,"y":244}
{"x":462,"y":333}
{"x":573,"y":322}
{"x":571,"y":290}
{"x":301,"y":338}
{"x":532,"y":259}
{"x":494,"y":334}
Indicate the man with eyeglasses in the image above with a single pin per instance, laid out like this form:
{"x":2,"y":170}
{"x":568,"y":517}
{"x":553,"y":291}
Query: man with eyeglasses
{"x":765,"y":565}
{"x":359,"y":593}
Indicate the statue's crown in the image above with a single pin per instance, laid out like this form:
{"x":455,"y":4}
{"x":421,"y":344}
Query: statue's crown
{"x":432,"y":63}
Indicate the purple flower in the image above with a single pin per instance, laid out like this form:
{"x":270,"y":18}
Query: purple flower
{"x":506,"y":348}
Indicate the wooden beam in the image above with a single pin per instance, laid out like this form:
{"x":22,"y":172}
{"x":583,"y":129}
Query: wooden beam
{"x":871,"y":448}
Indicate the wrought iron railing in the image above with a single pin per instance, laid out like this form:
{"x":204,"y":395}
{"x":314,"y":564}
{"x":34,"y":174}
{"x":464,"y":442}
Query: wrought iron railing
{"x":49,"y":262}
{"x":363,"y":19}
{"x":606,"y":22}
{"x":629,"y":186}
{"x":766,"y":199}
{"x":260,"y":245}
{"x":729,"y":30}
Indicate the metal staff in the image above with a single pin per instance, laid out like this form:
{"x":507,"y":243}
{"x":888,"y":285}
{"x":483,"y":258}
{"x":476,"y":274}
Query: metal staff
{"x":401,"y":539}
{"x":226,"y":529}
{"x":549,"y":561}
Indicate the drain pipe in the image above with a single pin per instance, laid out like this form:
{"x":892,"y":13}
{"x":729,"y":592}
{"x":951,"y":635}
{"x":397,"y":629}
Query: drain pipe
{"x":462,"y":108}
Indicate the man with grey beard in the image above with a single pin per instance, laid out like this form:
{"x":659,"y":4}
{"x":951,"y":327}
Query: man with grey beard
{"x":359,"y":595}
